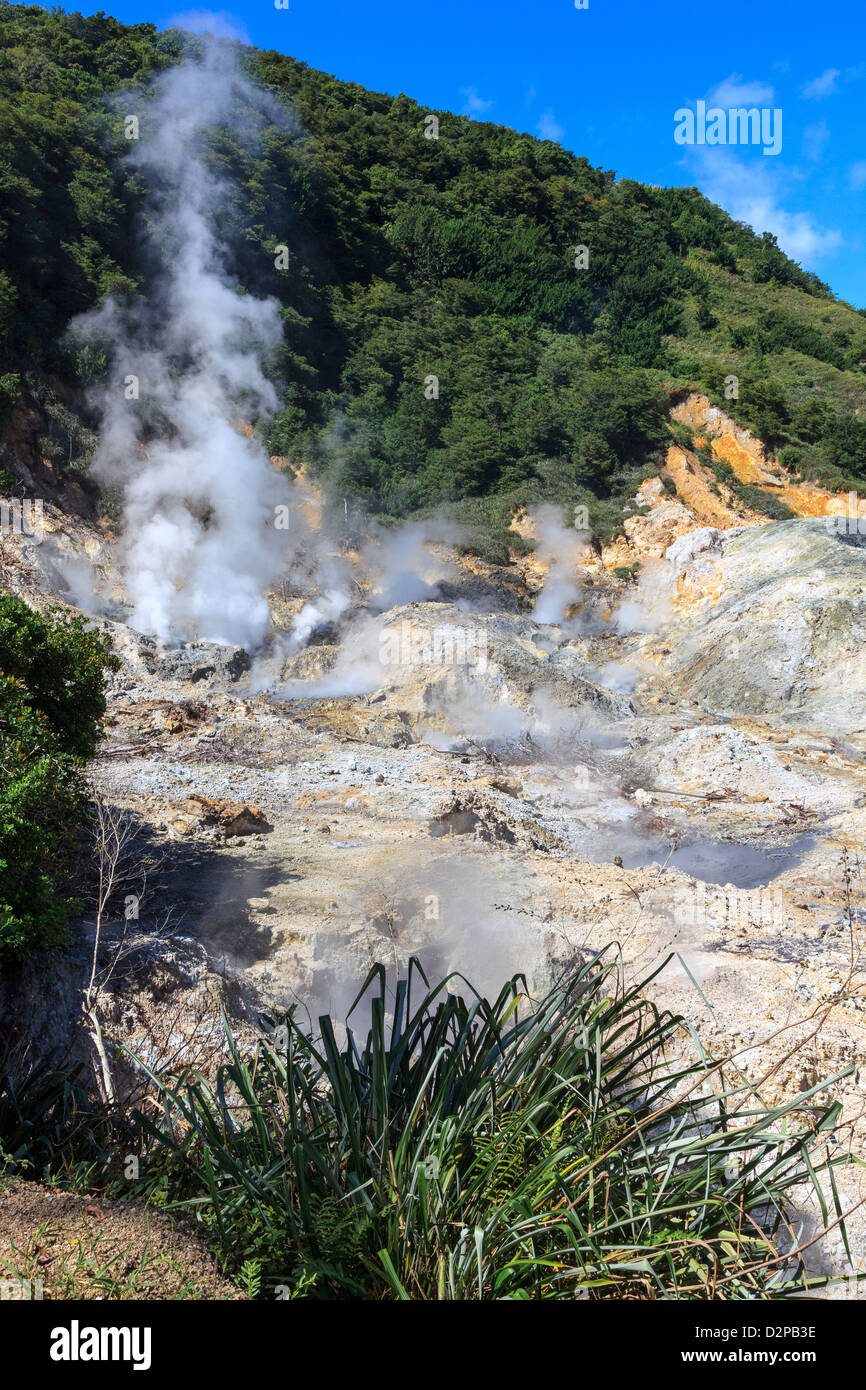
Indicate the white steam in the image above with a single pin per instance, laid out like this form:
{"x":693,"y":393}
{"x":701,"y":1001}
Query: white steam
{"x":199,"y":545}
{"x":649,"y":606}
{"x":402,"y":568}
{"x":559,"y":547}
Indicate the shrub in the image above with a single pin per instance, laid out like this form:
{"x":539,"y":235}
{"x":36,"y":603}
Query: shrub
{"x":49,"y":1121}
{"x":767,"y":503}
{"x":10,"y":391}
{"x":469,"y":1150}
{"x":51,"y":705}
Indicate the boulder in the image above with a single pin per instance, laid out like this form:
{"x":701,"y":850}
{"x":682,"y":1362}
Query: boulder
{"x":231,"y":817}
{"x":196,"y":662}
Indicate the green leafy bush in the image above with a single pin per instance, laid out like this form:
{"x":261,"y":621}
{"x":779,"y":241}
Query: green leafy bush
{"x":52,"y":701}
{"x":10,"y":390}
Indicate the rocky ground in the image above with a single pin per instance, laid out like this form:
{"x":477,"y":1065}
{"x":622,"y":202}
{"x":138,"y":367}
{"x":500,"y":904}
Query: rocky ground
{"x":676,"y":765}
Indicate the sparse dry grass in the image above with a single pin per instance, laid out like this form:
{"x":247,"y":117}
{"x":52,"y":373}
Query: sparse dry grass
{"x":88,"y":1248}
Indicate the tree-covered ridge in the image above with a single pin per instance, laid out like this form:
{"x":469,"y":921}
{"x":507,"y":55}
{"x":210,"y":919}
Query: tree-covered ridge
{"x":414,"y":259}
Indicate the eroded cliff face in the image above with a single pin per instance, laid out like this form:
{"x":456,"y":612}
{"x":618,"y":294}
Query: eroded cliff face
{"x":752,"y":464}
{"x":687,"y":494}
{"x":676,"y":764}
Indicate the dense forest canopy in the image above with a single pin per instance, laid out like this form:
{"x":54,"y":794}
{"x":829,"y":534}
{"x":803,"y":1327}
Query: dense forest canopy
{"x":411,"y":259}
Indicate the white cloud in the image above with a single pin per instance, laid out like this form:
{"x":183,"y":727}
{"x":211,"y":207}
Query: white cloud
{"x":475,"y":105}
{"x":815,"y":138}
{"x":858,"y":175}
{"x":822,"y":86}
{"x":735,"y":92}
{"x":218,"y":22}
{"x":752,"y":193}
{"x":549,"y":128}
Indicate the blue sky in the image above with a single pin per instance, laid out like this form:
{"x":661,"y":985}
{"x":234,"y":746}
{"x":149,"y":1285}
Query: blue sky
{"x":606,"y":81}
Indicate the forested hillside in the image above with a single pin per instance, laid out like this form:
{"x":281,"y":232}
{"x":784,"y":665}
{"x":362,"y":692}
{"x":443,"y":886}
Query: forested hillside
{"x":413,"y":258}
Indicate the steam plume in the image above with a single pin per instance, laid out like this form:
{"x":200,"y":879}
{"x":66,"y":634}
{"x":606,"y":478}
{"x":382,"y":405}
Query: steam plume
{"x":200,"y":545}
{"x":559,"y":548}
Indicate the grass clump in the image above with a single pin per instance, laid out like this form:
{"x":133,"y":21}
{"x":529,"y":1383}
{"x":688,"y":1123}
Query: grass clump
{"x":463,"y":1149}
{"x":50,"y":1123}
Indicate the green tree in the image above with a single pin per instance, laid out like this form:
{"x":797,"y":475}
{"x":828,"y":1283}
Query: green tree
{"x":52,"y":700}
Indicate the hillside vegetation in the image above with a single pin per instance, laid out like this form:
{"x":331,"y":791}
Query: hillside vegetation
{"x":414,"y":258}
{"x":52,"y":701}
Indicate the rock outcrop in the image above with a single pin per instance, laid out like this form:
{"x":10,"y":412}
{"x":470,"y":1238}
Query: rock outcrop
{"x":776,"y":624}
